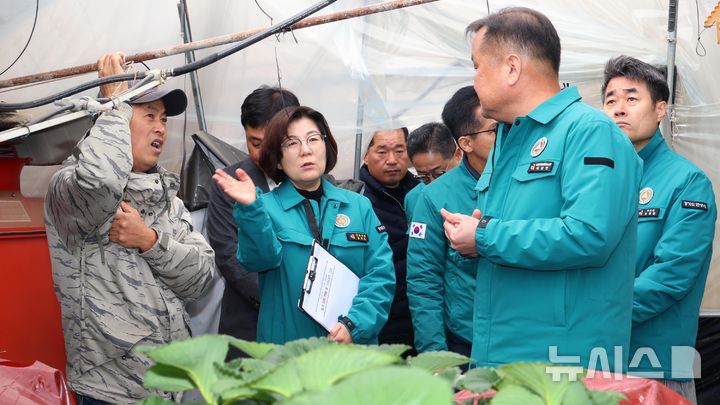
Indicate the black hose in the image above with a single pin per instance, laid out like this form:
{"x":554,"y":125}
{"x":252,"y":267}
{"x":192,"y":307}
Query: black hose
{"x":67,"y":93}
{"x":190,"y":67}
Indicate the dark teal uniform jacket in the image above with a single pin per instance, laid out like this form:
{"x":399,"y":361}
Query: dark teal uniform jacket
{"x":274,"y":238}
{"x":676,"y":227}
{"x":557,"y":242}
{"x":440,"y":291}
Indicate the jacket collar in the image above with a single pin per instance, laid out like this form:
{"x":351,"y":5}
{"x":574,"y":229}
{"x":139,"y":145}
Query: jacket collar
{"x":468,"y":168}
{"x":289,"y":197}
{"x":652,"y":146}
{"x":556,"y":104}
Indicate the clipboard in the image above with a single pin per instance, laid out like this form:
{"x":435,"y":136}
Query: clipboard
{"x":328,"y":289}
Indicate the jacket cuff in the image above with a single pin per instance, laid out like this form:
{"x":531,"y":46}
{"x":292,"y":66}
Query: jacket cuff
{"x":243,"y":213}
{"x":481,"y":234}
{"x":124,"y":110}
{"x":160,"y":248}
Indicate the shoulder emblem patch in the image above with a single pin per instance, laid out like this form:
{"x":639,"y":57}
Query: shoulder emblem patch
{"x":695,"y":205}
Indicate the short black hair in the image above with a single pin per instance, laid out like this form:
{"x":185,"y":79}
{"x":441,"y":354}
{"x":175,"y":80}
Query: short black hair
{"x":432,"y":137}
{"x":263,"y":103}
{"x":459,"y":112}
{"x":276,"y":133}
{"x":521,"y":29}
{"x":635,"y":69}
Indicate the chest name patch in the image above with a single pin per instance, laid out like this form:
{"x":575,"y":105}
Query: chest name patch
{"x":540,"y":167}
{"x":417,"y":230}
{"x":357,"y":237}
{"x":694,"y":205}
{"x":649,"y":213}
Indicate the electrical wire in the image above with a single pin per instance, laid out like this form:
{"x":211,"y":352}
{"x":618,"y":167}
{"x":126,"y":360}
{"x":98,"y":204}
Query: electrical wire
{"x":32,"y":31}
{"x":699,"y":40}
{"x":187,"y":68}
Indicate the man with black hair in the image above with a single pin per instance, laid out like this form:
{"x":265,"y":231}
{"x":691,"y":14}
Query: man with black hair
{"x":241,"y":299}
{"x":676,"y":227}
{"x":387,"y":182}
{"x":441,"y":291}
{"x":432,"y":151}
{"x":553,"y":235}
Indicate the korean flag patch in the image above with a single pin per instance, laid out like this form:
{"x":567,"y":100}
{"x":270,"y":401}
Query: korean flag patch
{"x":417,"y":230}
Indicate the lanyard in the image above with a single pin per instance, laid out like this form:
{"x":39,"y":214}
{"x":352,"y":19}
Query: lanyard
{"x":313,"y":224}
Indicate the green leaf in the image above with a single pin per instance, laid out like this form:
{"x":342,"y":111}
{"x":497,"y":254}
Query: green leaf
{"x":155,"y":400}
{"x":394,"y":385}
{"x":320,"y":368}
{"x":451,"y":374}
{"x":576,"y":394}
{"x":434,"y":361}
{"x":296,"y":348}
{"x":196,"y":357}
{"x":479,"y":380}
{"x":252,"y":349}
{"x":516,"y":395}
{"x":395,"y":348}
{"x":233,"y":395}
{"x":606,"y":397}
{"x":537,"y":378}
{"x":168,"y":378}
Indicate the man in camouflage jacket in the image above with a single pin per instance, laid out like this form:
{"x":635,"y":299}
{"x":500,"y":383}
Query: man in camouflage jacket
{"x":125,"y":257}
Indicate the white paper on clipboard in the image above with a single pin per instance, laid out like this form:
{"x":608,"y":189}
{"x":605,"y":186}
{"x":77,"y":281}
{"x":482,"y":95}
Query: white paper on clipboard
{"x":328,"y":289}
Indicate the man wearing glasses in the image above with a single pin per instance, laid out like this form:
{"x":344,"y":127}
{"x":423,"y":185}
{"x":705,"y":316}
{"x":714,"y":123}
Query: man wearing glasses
{"x":440,"y":291}
{"x":432,"y":151}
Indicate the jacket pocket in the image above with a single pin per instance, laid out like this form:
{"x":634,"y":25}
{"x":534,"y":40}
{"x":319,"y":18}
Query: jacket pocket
{"x":288,"y":235}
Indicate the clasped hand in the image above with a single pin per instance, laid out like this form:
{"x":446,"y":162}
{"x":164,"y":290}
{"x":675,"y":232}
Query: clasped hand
{"x":460,"y":231}
{"x":129,"y":230}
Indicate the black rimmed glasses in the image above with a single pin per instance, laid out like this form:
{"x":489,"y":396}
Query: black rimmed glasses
{"x":493,"y":130}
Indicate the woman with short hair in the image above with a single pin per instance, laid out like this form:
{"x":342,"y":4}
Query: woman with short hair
{"x":276,"y":231}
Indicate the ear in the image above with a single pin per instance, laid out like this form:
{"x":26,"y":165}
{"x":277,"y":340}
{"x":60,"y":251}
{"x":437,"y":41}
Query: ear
{"x":464,"y":144}
{"x":457,"y":156}
{"x":365,"y":159}
{"x":661,"y":110}
{"x":513,"y":68}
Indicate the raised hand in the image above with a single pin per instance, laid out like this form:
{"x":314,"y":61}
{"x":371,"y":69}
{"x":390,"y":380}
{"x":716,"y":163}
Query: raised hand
{"x":111,"y":64}
{"x":241,"y":189}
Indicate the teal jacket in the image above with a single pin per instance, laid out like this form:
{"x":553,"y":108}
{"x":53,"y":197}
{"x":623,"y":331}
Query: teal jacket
{"x":674,"y":247}
{"x":411,"y":199}
{"x":274,"y":238}
{"x":555,"y":274}
{"x":441,"y":292}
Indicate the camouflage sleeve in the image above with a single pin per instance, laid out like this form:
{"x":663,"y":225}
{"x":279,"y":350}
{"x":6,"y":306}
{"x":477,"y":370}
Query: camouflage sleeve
{"x":82,"y":196}
{"x":182,"y":260}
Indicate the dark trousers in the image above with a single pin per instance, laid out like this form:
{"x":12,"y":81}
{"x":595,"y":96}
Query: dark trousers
{"x":85,"y":400}
{"x":459,"y":346}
